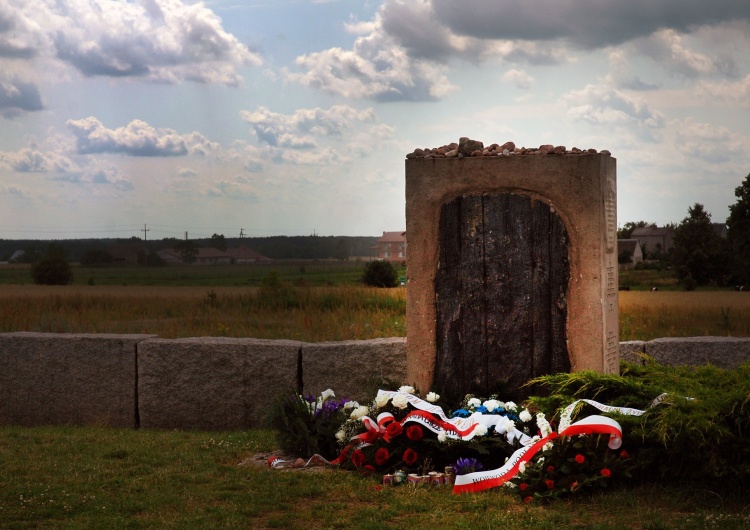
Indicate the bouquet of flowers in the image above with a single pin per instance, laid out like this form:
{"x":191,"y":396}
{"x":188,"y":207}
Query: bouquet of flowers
{"x":305,"y":425}
{"x":487,"y":442}
{"x":398,"y":430}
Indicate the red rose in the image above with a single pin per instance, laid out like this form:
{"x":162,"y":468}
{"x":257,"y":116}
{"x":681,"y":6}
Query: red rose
{"x":624,"y":454}
{"x":528,"y":500}
{"x":550,"y":469}
{"x":550,"y":484}
{"x":394,"y":429}
{"x":381,"y":456}
{"x":358,"y":457}
{"x":410,"y":457}
{"x":414,"y":433}
{"x":522,"y":486}
{"x":605,"y":472}
{"x":580,"y":458}
{"x":368,"y":469}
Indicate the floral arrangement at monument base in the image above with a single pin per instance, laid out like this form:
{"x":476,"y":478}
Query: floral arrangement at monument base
{"x":549,"y":447}
{"x":483,"y":443}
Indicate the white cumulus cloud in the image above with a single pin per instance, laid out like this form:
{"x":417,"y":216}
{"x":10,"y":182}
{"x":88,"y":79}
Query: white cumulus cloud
{"x":159,"y":40}
{"x":305,"y":128}
{"x":603,"y":105}
{"x":137,"y":138}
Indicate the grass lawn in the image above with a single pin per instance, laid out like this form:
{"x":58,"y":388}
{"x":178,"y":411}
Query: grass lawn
{"x":72,"y":477}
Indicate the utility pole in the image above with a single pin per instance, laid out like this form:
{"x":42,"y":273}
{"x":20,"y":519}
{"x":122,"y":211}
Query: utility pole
{"x":242,"y":233}
{"x":145,"y":245}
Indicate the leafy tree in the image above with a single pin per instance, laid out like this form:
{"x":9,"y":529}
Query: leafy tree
{"x":625,"y":257}
{"x":627,"y":229}
{"x":187,"y":250}
{"x":53,"y":268}
{"x":341,"y":249}
{"x":380,"y":274}
{"x":738,"y":234}
{"x":218,"y":241}
{"x":697,"y":251}
{"x":96,"y":257}
{"x":152,"y":259}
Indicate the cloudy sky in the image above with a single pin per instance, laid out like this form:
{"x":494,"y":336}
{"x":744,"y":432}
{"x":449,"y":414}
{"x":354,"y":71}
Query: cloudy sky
{"x":286,"y":117}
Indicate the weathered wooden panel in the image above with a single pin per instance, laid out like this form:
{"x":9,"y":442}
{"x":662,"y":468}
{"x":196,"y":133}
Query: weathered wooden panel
{"x":500,"y":294}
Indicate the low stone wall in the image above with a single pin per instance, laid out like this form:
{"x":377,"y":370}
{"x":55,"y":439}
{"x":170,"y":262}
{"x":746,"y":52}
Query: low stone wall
{"x":62,"y":379}
{"x":224,"y":383}
{"x":724,"y":352}
{"x":209,"y":383}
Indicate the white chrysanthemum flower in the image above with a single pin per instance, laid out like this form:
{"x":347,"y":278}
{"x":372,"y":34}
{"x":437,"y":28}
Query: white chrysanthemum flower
{"x":509,"y":405}
{"x":340,"y":436}
{"x":480,"y":430}
{"x":407,"y":389}
{"x":563,"y":424}
{"x":525,"y":415}
{"x":382,"y":400}
{"x":442,"y":437}
{"x":491,"y":405}
{"x":351,"y":405}
{"x":543,"y":424}
{"x":474,"y":403}
{"x":510,"y":485}
{"x":359,"y":412}
{"x":432,"y":397}
{"x":399,"y":401}
{"x":522,"y":467}
{"x":504,"y":424}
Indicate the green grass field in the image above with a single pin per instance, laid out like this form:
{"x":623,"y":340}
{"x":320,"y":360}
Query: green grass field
{"x":97,"y":478}
{"x":244,"y":275}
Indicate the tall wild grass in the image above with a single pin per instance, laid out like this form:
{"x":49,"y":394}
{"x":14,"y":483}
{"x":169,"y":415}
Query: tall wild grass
{"x":284,"y":311}
{"x":646,"y":315}
{"x":314,"y":314}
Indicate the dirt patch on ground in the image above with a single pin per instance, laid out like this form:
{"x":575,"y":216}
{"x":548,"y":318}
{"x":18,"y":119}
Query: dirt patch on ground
{"x":279,"y":461}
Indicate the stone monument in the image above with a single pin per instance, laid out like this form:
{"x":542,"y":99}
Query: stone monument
{"x":512,"y":265}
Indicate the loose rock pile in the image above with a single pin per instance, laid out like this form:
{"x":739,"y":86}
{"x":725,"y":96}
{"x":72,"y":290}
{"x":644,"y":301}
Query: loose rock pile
{"x":467,"y":147}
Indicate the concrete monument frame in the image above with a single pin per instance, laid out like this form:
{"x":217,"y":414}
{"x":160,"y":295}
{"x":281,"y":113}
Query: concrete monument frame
{"x":582,"y":190}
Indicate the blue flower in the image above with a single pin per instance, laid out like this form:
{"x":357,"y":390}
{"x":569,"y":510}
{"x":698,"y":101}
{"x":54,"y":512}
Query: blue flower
{"x":464,"y":466}
{"x":461,"y":413}
{"x":482,"y":409}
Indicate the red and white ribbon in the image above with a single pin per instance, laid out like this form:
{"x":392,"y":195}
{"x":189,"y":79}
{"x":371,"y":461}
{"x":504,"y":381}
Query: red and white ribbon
{"x":596,"y":424}
{"x":433,"y":418}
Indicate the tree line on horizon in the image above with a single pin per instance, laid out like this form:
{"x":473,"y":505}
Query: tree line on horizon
{"x":97,"y":251}
{"x":699,"y":256}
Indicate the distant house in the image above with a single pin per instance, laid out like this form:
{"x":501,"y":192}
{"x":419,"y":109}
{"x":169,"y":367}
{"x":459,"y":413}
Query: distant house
{"x":170,"y":256}
{"x":205,"y":256}
{"x":127,"y":251}
{"x":633,"y":247}
{"x":391,"y":246}
{"x":17,"y":256}
{"x":244,"y":254}
{"x":654,"y":238}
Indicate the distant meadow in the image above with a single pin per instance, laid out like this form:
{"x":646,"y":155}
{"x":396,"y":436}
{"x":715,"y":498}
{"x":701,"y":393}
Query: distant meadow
{"x":310,"y":302}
